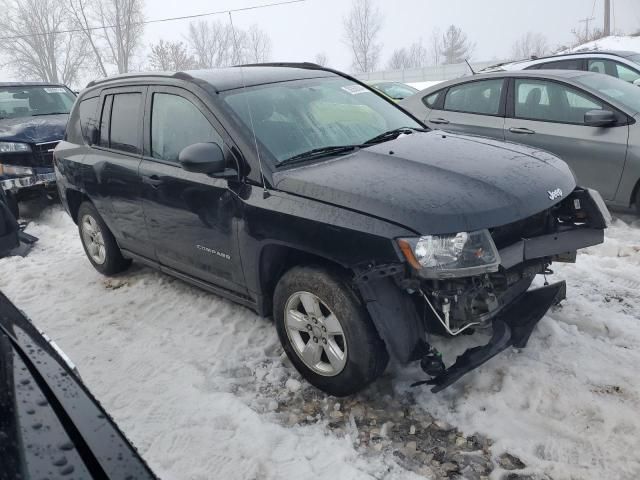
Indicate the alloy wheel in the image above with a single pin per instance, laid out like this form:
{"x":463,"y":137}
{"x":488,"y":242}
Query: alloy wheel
{"x":315,"y":334}
{"x":93,"y":239}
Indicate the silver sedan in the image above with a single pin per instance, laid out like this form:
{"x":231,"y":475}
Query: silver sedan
{"x":588,"y":119}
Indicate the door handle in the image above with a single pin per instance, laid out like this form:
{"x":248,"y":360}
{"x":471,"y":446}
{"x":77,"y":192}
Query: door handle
{"x":439,"y":121}
{"x":153,"y":180}
{"x":522,"y":131}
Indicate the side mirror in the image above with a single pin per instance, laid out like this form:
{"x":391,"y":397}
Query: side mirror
{"x":600,"y":118}
{"x":636,"y":82}
{"x":204,"y":158}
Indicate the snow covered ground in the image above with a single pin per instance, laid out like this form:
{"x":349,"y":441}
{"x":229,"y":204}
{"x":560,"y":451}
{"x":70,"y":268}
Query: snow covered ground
{"x":194,"y":380}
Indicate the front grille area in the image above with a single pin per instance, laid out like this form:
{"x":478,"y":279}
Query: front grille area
{"x":530,"y":227}
{"x":43,"y":154}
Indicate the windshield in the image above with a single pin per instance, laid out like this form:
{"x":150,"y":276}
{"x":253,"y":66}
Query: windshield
{"x":613,"y":89}
{"x":397,"y":91}
{"x":295,"y":117}
{"x":28,"y":101}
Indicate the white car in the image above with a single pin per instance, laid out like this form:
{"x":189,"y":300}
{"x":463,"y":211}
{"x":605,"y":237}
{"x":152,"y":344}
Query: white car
{"x":619,"y":64}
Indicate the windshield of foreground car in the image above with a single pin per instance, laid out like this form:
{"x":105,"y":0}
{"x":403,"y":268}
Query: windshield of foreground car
{"x":613,"y":89}
{"x":29,"y":101}
{"x":295,"y":117}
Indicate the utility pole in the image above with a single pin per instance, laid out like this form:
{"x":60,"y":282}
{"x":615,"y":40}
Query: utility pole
{"x":607,"y":18}
{"x":586,"y":21}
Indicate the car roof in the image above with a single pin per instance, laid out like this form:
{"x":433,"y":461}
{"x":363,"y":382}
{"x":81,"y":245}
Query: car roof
{"x":560,"y":56}
{"x":230,"y":78}
{"x":31,"y":84}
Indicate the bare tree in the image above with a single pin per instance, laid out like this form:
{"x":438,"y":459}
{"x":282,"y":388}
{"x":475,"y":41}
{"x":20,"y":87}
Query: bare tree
{"x":322,"y":59}
{"x":399,"y":60}
{"x":258,"y":45}
{"x":216,"y":44}
{"x":436,"y":47}
{"x":455,"y":47}
{"x":122,"y":29}
{"x":113,"y":30}
{"x":170,"y":56}
{"x":80,"y":13}
{"x":362,"y":26}
{"x":415,"y":56}
{"x":530,"y":45}
{"x":39,"y":49}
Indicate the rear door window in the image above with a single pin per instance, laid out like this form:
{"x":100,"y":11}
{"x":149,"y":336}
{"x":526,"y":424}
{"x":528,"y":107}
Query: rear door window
{"x":126,"y":121}
{"x":481,"y":97}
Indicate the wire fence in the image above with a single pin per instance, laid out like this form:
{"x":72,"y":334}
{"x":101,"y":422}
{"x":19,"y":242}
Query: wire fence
{"x":425,"y":74}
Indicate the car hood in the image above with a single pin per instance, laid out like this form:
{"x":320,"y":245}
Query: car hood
{"x":436,"y":182}
{"x":42,"y":129}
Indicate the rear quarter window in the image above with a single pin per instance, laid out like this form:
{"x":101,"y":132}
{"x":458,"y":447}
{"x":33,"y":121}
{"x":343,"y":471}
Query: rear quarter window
{"x":88,"y":117}
{"x":433,"y":100}
{"x":81,"y":118}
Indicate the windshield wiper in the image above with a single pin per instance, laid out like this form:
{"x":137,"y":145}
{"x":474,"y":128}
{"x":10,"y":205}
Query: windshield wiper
{"x":50,"y":113}
{"x":393,"y":134}
{"x":319,"y":153}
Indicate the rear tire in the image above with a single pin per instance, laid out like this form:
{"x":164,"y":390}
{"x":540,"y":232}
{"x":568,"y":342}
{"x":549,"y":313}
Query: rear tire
{"x":326,"y":331}
{"x":638,"y":202}
{"x":99,"y":243}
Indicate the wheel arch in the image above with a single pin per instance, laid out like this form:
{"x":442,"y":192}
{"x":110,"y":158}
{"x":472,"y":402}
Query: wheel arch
{"x":277,"y":259}
{"x":75,"y":198}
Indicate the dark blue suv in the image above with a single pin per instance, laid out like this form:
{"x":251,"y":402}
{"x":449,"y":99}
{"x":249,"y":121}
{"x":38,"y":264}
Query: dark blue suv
{"x":33,"y":117}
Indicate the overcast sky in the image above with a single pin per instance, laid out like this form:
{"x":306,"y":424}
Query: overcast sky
{"x":300,"y":31}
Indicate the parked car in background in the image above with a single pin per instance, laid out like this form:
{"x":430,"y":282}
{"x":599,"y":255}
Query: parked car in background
{"x":51,"y":425}
{"x":394,"y":90}
{"x":33,"y":117}
{"x":304,"y":194}
{"x":587,"y":119}
{"x":618,"y":64}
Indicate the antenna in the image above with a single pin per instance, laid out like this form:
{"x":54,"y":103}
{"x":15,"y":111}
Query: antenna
{"x":470,"y":67}
{"x":253,"y":130}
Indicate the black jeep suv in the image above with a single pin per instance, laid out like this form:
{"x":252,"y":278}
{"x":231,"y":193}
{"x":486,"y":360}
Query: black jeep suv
{"x":304,"y":194}
{"x":33,"y":117}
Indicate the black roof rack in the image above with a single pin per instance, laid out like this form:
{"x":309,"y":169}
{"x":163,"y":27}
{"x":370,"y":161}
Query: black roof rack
{"x":179,"y":75}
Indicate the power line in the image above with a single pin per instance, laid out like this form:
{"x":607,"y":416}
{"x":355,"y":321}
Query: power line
{"x":159,"y":20}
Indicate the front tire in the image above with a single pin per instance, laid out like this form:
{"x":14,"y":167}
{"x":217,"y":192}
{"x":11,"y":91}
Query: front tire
{"x":638,"y":202}
{"x":326,"y":331}
{"x":99,"y":243}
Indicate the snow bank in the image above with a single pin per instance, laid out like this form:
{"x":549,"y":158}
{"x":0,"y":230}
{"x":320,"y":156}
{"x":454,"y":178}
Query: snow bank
{"x":625,"y":43}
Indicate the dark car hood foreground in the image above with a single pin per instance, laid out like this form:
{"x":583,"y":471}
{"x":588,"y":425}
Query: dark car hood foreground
{"x":50,"y":425}
{"x":436,"y":183}
{"x":42,"y":129}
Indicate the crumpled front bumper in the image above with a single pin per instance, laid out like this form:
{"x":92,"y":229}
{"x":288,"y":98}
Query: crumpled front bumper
{"x":17,"y":183}
{"x":511,"y":327}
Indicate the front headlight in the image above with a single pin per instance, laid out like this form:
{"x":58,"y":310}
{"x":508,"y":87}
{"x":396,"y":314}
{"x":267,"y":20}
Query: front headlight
{"x":15,"y":170}
{"x":11,"y":147}
{"x":457,"y":255}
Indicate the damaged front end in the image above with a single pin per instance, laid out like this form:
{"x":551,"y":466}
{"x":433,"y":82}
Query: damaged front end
{"x":463,"y":282}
